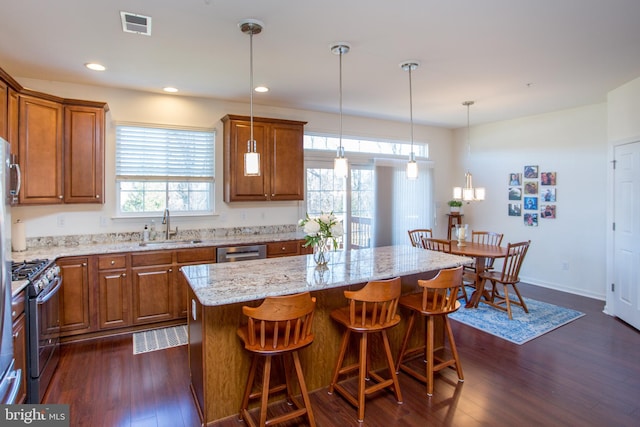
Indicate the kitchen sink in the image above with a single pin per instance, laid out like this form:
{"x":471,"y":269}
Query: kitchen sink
{"x":169,"y":242}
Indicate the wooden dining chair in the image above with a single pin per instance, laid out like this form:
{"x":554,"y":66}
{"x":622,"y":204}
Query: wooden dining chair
{"x":437,"y":300}
{"x":416,"y":236}
{"x":487,"y":238}
{"x":441,"y":245}
{"x":509,"y":276}
{"x":279,"y":327}
{"x":371,"y":310}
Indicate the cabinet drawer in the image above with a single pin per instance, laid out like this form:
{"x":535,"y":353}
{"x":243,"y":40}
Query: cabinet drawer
{"x":106,"y":262}
{"x":17,"y":306}
{"x":196,"y":255}
{"x":282,"y":248}
{"x":151,"y":258}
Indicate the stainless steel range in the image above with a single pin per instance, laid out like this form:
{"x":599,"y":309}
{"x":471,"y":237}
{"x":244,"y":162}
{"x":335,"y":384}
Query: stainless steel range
{"x":43,"y":322}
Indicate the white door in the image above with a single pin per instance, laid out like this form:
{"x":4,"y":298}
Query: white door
{"x":626,"y":236}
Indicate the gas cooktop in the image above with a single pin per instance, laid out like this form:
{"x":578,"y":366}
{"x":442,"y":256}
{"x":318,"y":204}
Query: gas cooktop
{"x":27,"y":270}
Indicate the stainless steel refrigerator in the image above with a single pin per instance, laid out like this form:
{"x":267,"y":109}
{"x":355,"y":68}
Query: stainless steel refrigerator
{"x":9,"y":376}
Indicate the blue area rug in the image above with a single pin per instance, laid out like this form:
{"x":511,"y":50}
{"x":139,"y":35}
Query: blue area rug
{"x":542,"y":318}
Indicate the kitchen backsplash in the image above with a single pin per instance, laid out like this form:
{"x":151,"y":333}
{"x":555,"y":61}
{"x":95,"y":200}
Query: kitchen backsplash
{"x":201,"y":234}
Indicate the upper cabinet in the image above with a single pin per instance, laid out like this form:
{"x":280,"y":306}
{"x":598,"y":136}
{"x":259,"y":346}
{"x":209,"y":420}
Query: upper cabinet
{"x":40,"y":150}
{"x":280,"y":144}
{"x":83,"y":154}
{"x":58,"y":144}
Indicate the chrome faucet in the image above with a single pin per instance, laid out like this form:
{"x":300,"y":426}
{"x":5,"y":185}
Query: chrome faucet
{"x":166,"y":219}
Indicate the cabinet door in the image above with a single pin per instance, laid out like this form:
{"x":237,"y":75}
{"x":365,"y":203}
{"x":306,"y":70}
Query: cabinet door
{"x":4,"y":103}
{"x":13,"y":127}
{"x":153,"y":294}
{"x":83,"y":154}
{"x":40,"y":151}
{"x":20,"y":354}
{"x":237,"y":186}
{"x":75,"y":296}
{"x":114,"y":299}
{"x":287,"y":162}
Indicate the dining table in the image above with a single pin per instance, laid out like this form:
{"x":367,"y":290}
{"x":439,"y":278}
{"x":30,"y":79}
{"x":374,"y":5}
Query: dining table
{"x":480,"y":252}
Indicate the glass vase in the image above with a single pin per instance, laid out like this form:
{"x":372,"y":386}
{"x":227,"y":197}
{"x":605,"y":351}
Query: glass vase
{"x":321,"y":252}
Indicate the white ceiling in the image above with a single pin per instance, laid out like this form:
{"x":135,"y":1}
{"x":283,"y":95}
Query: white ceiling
{"x":513,"y":57}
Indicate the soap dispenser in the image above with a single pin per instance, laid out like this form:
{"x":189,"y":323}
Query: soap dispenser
{"x":152,"y":230}
{"x":145,"y":234}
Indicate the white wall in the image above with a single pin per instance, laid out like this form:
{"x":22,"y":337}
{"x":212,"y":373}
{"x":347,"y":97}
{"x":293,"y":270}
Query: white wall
{"x":134,"y":106}
{"x":572,"y":143}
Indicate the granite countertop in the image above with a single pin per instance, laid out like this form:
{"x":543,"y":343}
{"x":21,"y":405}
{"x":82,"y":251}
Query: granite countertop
{"x":220,"y":284}
{"x":58,"y":251}
{"x":55,"y":252}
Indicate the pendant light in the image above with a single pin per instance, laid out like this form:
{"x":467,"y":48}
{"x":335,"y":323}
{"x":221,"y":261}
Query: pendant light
{"x":340,"y":164}
{"x":412,"y":166}
{"x":468,"y":193}
{"x":251,"y":157}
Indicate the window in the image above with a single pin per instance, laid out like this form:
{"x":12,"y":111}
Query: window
{"x":164,"y":168}
{"x":376,"y":202}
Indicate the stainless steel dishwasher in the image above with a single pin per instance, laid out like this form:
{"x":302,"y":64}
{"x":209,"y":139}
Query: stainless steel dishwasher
{"x":241,"y":253}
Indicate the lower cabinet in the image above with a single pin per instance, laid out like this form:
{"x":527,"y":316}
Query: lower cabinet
{"x":128,"y":290}
{"x":152,"y":284}
{"x":114,"y":292}
{"x":75,"y":298}
{"x":20,"y":342}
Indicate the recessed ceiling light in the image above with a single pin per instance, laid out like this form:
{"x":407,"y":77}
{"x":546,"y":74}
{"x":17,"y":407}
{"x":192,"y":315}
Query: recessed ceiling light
{"x":95,"y":67}
{"x":261,"y":89}
{"x":170,"y":89}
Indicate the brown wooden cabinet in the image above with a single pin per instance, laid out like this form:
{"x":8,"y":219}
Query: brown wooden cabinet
{"x":189,"y":257}
{"x":280,"y":144}
{"x":285,"y":248}
{"x":20,"y":342}
{"x":83,"y":154}
{"x":40,"y":150}
{"x":114,"y":292}
{"x":153,"y":286}
{"x":75,"y":297}
{"x":4,"y":109}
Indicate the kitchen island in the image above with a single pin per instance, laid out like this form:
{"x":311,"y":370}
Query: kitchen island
{"x":218,"y":363}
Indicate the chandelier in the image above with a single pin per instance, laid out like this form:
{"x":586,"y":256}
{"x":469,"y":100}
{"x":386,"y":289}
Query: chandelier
{"x":468,"y":193}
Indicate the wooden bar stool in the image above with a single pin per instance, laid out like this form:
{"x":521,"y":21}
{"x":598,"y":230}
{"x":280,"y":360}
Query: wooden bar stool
{"x":437,"y":299}
{"x":280,"y":326}
{"x":372,"y":309}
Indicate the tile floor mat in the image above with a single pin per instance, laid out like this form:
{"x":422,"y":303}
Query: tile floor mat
{"x":159,"y":339}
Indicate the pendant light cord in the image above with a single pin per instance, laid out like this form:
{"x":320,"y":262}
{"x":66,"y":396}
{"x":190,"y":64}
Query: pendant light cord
{"x":411,"y":108}
{"x":251,"y":88}
{"x":340,"y":62}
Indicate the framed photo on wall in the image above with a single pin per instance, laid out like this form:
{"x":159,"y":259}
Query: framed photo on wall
{"x":547,"y":178}
{"x":531,"y":203}
{"x":515,"y":193}
{"x":515,"y":178}
{"x":548,"y":211}
{"x":515,"y":209}
{"x":531,"y":187}
{"x":531,"y":171}
{"x":548,"y":194}
{"x":531,"y":219}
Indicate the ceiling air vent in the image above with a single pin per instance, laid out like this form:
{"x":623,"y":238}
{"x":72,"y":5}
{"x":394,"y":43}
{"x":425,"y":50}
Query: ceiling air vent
{"x":133,"y":23}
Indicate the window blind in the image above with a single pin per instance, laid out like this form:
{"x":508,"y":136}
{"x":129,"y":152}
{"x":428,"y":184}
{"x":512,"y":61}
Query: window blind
{"x":164,"y":153}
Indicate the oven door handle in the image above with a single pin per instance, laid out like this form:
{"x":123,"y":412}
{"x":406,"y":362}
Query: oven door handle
{"x":44,"y":298}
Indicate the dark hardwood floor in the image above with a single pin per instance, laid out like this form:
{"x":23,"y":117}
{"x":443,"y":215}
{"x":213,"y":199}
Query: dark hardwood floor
{"x":586,"y":373}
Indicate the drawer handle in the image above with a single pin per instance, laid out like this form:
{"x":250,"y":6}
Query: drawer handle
{"x":97,"y":196}
{"x":84,"y":264}
{"x":16,"y":335}
{"x":113,"y":262}
{"x":283,"y":248}
{"x":170,"y":270}
{"x":124,"y":275}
